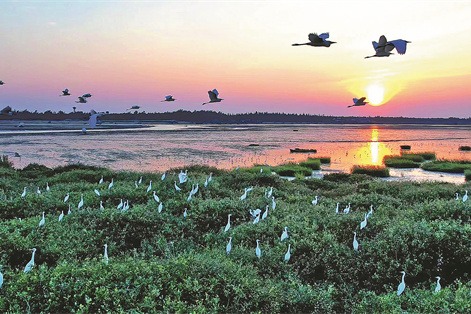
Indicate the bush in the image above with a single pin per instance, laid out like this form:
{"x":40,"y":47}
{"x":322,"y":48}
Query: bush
{"x":311,"y":163}
{"x":5,"y":162}
{"x":467,"y":175}
{"x":292,"y":170}
{"x":451,"y":166}
{"x":374,"y":171}
{"x":400,"y":162}
{"x":420,"y":156}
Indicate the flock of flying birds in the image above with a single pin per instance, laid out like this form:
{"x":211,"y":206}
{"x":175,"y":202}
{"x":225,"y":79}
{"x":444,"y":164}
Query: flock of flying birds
{"x":383,"y":48}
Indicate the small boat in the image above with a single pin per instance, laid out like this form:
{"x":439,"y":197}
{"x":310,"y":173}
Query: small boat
{"x":465,"y":148}
{"x":302,"y":150}
{"x":405,"y":146}
{"x":251,"y":145}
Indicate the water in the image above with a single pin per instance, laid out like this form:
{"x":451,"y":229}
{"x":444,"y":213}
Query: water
{"x":161,"y":147}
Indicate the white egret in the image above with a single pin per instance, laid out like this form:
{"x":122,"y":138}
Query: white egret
{"x":370,"y":212}
{"x":315,"y":201}
{"x":101,"y":205}
{"x":210,"y":177}
{"x":261,"y":170}
{"x":140,"y":180}
{"x":273,"y":203}
{"x":185,"y":213}
{"x":47,"y":187}
{"x":258,"y":251}
{"x":228,"y":225}
{"x":125,"y":206}
{"x":347,"y":209}
{"x":105,"y":254}
{"x":80,"y":204}
{"x":438,"y":287}
{"x":402,"y":285}
{"x":65,"y":92}
{"x":358,"y":102}
{"x":136,"y":185}
{"x":111,"y":184}
{"x":244,"y":196}
{"x":265,"y":213}
{"x":156,"y":197}
{"x":317,"y":40}
{"x":229,"y":246}
{"x":1,"y":279}
{"x":465,"y":196}
{"x":61,"y":216}
{"x":120,"y":205}
{"x":257,"y":219}
{"x":288,"y":253}
{"x":149,"y":187}
{"x":213,"y":97}
{"x":42,"y":221}
{"x":284,"y":235}
{"x":457,"y":197}
{"x":66,"y":198}
{"x":255,"y":212}
{"x":163,"y":176}
{"x":69,"y":211}
{"x":24,"y":192}
{"x":364,"y":222}
{"x":337,"y":208}
{"x":30,"y":264}
{"x":189,"y":197}
{"x":38,"y":191}
{"x":93,"y":119}
{"x":97,"y":192}
{"x":177,"y":188}
{"x":206,"y":183}
{"x":101,"y":180}
{"x":161,"y":206}
{"x":270,"y":192}
{"x":355,"y":242}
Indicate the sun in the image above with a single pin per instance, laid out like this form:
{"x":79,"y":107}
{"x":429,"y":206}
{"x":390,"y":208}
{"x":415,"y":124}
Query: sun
{"x":375,"y":94}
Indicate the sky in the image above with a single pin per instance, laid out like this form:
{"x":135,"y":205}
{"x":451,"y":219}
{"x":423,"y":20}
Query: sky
{"x":128,"y":53}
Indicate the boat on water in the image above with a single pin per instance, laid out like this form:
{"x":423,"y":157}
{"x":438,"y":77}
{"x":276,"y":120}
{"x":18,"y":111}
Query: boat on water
{"x":302,"y":150}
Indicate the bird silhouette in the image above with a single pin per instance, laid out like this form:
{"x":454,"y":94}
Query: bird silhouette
{"x":65,"y":92}
{"x":2,"y":83}
{"x":169,"y":98}
{"x":358,"y":102}
{"x":81,"y":100}
{"x":383,"y":47}
{"x":317,"y":40}
{"x":134,"y":108}
{"x":213,"y":96}
{"x":87,"y":95}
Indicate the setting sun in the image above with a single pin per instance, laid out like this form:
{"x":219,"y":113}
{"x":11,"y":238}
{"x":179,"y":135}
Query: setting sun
{"x":375,"y":94}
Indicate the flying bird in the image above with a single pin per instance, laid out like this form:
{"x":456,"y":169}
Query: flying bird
{"x":358,"y":102}
{"x":2,"y":83}
{"x":81,"y":100}
{"x":134,"y":108}
{"x":383,"y":48}
{"x":317,"y":40}
{"x":87,"y":95}
{"x":169,"y":98}
{"x":65,"y":92}
{"x":213,"y":96}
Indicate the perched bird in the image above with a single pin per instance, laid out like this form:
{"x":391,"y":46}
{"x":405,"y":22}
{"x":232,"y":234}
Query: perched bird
{"x":120,"y":205}
{"x":30,"y":264}
{"x":149,"y":187}
{"x":370,"y":212}
{"x":273,"y":203}
{"x":69,"y":211}
{"x":257,"y":219}
{"x":42,"y":221}
{"x":161,"y":206}
{"x":177,"y":188}
{"x":229,"y":246}
{"x":347,"y":209}
{"x":355,"y":242}
{"x":358,"y":102}
{"x":228,"y":225}
{"x":438,"y":287}
{"x":183,"y":176}
{"x":61,"y":216}
{"x":105,"y":254}
{"x":265,"y":213}
{"x":156,"y":197}
{"x":314,"y":201}
{"x":364,"y":222}
{"x":169,"y":98}
{"x":258,"y":251}
{"x":65,"y":92}
{"x":93,"y":120}
{"x":402,"y":285}
{"x":80,"y":204}
{"x":284,"y":235}
{"x":66,"y":198}
{"x":38,"y":191}
{"x":81,"y":100}
{"x":383,"y":48}
{"x":213,"y":96}
{"x":111,"y":184}
{"x":244,"y":196}
{"x":101,"y":180}
{"x":317,"y":40}
{"x":465,"y":196}
{"x":163,"y":176}
{"x":288,"y":253}
{"x":101,"y":205}
{"x":97,"y":192}
{"x":24,"y":192}
{"x":269,"y":192}
{"x":47,"y":187}
{"x":1,"y":279}
{"x":337,"y":208}
{"x":140,"y":181}
{"x":185,"y":213}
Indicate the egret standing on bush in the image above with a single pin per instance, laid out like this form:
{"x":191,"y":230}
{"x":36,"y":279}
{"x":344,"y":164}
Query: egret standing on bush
{"x":229,"y":246}
{"x":258,"y":252}
{"x":402,"y":285}
{"x":288,"y":254}
{"x":30,"y":264}
{"x":284,"y":235}
{"x":42,"y":221}
{"x":228,"y":225}
{"x":438,"y":287}
{"x":105,"y":254}
{"x":465,"y":196}
{"x":355,"y":242}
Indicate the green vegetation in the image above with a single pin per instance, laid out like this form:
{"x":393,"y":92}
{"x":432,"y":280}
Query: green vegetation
{"x":292,"y":170}
{"x":467,"y":174}
{"x":323,"y":160}
{"x":419,"y":157}
{"x":375,"y":171}
{"x":5,"y":162}
{"x":164,"y":262}
{"x":465,"y":148}
{"x":451,"y":166}
{"x":400,"y":162}
{"x":311,"y":163}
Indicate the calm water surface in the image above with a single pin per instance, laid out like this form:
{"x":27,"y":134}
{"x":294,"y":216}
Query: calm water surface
{"x":161,"y":147}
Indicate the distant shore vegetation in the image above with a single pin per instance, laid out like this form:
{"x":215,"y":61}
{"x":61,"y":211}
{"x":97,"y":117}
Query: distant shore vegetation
{"x":172,"y":255}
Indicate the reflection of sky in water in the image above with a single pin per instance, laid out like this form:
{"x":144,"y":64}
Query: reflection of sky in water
{"x":228,"y":147}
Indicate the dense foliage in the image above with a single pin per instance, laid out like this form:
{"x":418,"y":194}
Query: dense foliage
{"x":452,"y":166}
{"x":375,"y":171}
{"x":166,"y":262}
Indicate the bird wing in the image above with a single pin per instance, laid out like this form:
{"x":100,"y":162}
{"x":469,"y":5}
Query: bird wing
{"x":355,"y":100}
{"x":324,"y":36}
{"x":313,"y":37}
{"x":212,"y":95}
{"x":168,"y":97}
{"x":362,"y":99}
{"x":400,"y":45}
{"x":382,"y":40}
{"x":215,"y":91}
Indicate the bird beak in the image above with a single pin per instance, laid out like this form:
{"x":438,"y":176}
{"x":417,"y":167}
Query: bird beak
{"x":333,"y":42}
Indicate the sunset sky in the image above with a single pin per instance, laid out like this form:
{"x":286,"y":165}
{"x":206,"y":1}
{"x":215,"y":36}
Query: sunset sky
{"x":129,"y":53}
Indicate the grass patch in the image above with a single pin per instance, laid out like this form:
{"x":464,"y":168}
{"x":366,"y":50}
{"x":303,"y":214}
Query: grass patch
{"x":467,"y":174}
{"x":451,"y":166}
{"x":291,"y":170}
{"x":465,"y":148}
{"x":422,"y":156}
{"x":400,"y":162}
{"x":323,"y":160}
{"x":311,"y":163}
{"x":374,"y":171}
